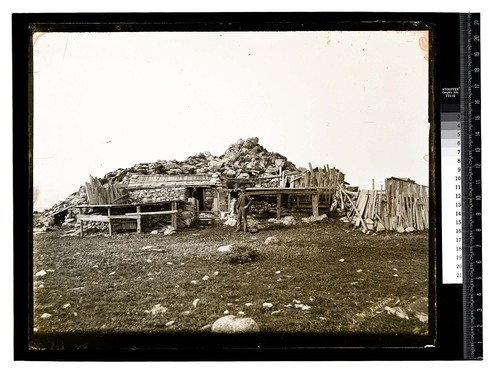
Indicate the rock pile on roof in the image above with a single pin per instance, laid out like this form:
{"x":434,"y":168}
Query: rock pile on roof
{"x":242,"y":160}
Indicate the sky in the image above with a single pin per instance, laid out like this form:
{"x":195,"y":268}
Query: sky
{"x":357,"y":101}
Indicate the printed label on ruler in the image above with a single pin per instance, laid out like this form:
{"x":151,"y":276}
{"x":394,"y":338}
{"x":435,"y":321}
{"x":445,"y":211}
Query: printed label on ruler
{"x":451,"y":185}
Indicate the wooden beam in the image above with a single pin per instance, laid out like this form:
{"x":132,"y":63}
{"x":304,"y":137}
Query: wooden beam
{"x":101,"y":218}
{"x":134,"y":214}
{"x":354,"y":206}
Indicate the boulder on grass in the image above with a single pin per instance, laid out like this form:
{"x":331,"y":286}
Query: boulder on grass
{"x":232,"y":324}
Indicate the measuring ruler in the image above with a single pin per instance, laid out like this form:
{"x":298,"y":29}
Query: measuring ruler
{"x":470,"y":84}
{"x":461,"y":184}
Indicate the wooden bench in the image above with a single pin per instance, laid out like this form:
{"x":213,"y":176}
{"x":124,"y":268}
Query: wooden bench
{"x":104,"y":219}
{"x":138,"y":215}
{"x":81,"y":217}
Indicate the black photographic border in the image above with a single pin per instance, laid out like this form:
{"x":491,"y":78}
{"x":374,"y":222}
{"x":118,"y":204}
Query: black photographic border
{"x":445,"y":340}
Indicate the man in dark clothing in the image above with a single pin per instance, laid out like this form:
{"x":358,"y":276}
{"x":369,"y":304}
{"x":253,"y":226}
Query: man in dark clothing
{"x":242,"y":204}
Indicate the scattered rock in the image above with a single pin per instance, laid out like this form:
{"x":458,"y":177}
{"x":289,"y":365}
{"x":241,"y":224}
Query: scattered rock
{"x":45,"y":315}
{"x":170,"y":323}
{"x":267,"y":305}
{"x":66,"y":305}
{"x":157,"y":309}
{"x":302,"y":306}
{"x":313,"y":219}
{"x":216,"y":273}
{"x":194,"y":282}
{"x":248,"y":304}
{"x":398,"y":311}
{"x":205,"y":278}
{"x":154,"y":232}
{"x":341,"y":260}
{"x":231,"y":221}
{"x":195,"y":302}
{"x":169,"y":231}
{"x":409,"y":229}
{"x":225,"y":248}
{"x":359,"y":271}
{"x":40,"y":273}
{"x":420,"y":309}
{"x":380,"y":227}
{"x":232,"y":324}
{"x":206,"y":328}
{"x":289,"y":220}
{"x":400,"y":229}
{"x":271,"y":240}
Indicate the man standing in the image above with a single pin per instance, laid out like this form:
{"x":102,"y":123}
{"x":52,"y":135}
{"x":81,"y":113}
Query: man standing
{"x":242,"y":204}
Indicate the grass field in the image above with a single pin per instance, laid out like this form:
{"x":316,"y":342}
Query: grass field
{"x":320,"y":278}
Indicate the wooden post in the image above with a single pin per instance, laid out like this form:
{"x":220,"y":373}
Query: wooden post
{"x":80,"y":210}
{"x":174,"y":215}
{"x":110,"y":226}
{"x":315,"y":204}
{"x":138,"y":210}
{"x":278,"y":209}
{"x":374,"y":193}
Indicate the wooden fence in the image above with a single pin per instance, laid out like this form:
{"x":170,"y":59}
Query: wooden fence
{"x":403,"y":205}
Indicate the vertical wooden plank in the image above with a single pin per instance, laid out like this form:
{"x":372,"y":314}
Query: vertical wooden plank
{"x":278,"y":206}
{"x":374,"y":199}
{"x":81,"y":222}
{"x":315,"y":204}
{"x":139,"y":219}
{"x":173,"y":219}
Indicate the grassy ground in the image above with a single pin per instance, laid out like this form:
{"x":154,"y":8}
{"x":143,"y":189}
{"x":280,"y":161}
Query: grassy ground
{"x":340,"y":280}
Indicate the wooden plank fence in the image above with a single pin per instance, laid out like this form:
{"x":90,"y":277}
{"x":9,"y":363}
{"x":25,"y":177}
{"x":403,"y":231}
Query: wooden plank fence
{"x":402,"y":205}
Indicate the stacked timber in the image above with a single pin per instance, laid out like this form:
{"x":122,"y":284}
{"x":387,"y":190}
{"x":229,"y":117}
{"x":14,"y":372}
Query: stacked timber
{"x":324,"y":177}
{"x":98,"y":193}
{"x":403,"y":206}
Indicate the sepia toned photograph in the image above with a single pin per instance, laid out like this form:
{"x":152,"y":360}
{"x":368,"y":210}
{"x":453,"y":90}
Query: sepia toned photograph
{"x":232,"y":182}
